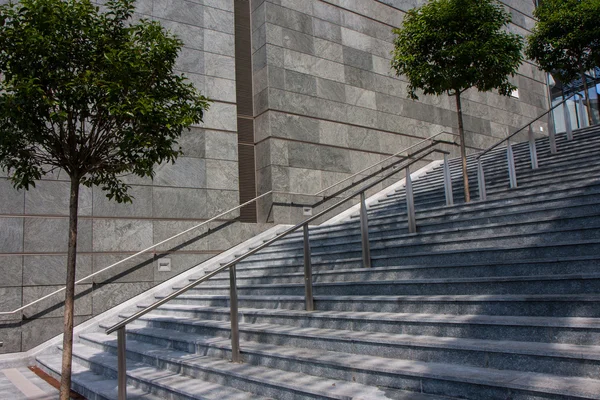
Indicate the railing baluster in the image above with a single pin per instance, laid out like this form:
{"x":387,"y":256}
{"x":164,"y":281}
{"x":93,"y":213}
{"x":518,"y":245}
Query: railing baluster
{"x":448,"y":182}
{"x":568,"y":122}
{"x":582,"y":113}
{"x":364,"y":232}
{"x":532,"y":149}
{"x":234,"y":315}
{"x":552,"y":133}
{"x":481,"y":181}
{"x":308,"y":290}
{"x":410,"y":203}
{"x":512,"y":173}
{"x":122,"y":363}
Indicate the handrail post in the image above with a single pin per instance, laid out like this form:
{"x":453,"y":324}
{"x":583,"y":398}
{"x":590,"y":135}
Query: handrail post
{"x":552,"y":132}
{"x":364,"y":232}
{"x":481,"y":181}
{"x":122,"y":364}
{"x":568,"y":122}
{"x":532,"y":149}
{"x":512,"y":173}
{"x":308,"y":289}
{"x":448,"y":182}
{"x":410,"y":203}
{"x":234,"y":315}
{"x":582,"y":118}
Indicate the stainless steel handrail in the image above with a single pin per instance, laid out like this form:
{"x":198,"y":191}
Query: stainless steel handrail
{"x":154,"y":246}
{"x":309,"y":302}
{"x":526,"y":126}
{"x":262,"y":246}
{"x":395,"y":155}
{"x":510,"y":159}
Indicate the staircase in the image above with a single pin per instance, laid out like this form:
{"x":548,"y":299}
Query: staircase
{"x":490,"y":300}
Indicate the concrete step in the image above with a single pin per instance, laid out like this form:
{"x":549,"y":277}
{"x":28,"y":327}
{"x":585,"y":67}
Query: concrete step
{"x":323,"y":273}
{"x":160,"y":382}
{"x":536,"y":231}
{"x":571,"y":305}
{"x":557,"y":359}
{"x":587,"y":194}
{"x":539,"y":211}
{"x":437,"y":196}
{"x":427,"y":377}
{"x":457,"y":246}
{"x":90,"y":385}
{"x":264,"y":381}
{"x":507,"y":197}
{"x":438,"y":201}
{"x":571,"y":330}
{"x":537,"y":284}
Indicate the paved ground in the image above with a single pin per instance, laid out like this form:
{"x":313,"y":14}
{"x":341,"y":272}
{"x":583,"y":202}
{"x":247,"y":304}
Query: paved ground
{"x":21,"y":383}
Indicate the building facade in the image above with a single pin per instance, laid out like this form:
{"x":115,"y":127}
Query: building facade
{"x":303,"y":96}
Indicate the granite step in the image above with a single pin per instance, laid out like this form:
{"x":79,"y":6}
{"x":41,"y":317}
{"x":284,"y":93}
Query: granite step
{"x":247,"y":377}
{"x":565,"y":305}
{"x":426,"y":377}
{"x":571,"y":330}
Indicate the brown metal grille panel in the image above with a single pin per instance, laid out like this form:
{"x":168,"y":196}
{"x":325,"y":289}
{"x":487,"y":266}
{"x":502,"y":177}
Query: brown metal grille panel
{"x":243,"y":58}
{"x":243,"y":76}
{"x":247,"y":182}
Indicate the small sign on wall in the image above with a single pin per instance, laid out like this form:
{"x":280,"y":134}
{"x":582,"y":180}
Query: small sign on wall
{"x":164,"y":265}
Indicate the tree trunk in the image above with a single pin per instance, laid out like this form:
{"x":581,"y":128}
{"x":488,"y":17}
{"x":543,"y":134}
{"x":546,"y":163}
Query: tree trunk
{"x":67,"y":354}
{"x":588,"y":103}
{"x":463,"y":151}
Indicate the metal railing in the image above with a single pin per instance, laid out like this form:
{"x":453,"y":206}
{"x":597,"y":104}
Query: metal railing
{"x":223,"y":214}
{"x":510,"y":158}
{"x":308,"y":292}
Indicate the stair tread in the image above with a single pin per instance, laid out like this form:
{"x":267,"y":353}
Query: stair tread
{"x":99,"y":384}
{"x":429,"y":281}
{"x":298,"y":382}
{"x":561,"y":350}
{"x":247,"y":273}
{"x":567,"y":322}
{"x":543,"y":383}
{"x":164,"y":378}
{"x":428,"y":298}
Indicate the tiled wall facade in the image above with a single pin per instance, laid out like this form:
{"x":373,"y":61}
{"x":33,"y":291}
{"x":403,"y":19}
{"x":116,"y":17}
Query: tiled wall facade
{"x":201,"y":184}
{"x":328,"y":105}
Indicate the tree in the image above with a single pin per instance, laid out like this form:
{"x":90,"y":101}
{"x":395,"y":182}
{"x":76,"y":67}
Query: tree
{"x":92,"y":94}
{"x":449,"y":46}
{"x":566,"y":39}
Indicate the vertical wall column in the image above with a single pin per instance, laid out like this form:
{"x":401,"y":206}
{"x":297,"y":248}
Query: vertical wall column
{"x":245,"y":109}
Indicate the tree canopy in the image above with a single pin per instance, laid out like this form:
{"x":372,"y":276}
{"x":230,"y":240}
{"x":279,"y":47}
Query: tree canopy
{"x":92,"y":94}
{"x":449,"y":46}
{"x":89,"y":93}
{"x":566,"y":37}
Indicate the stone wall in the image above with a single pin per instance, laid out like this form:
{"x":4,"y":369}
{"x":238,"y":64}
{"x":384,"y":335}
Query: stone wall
{"x":328,"y":105}
{"x":201,"y":184}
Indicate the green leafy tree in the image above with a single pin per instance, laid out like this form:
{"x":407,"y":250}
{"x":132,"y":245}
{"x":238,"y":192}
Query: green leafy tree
{"x":92,"y":94}
{"x":449,"y":46}
{"x":566,"y":39}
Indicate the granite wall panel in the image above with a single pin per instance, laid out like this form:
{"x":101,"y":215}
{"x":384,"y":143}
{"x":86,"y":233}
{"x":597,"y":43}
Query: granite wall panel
{"x":201,"y":184}
{"x":358,"y":111}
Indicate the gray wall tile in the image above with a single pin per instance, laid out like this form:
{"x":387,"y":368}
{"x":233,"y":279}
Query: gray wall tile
{"x":179,"y":203}
{"x":50,"y":235}
{"x":12,"y":201}
{"x":141,"y":205}
{"x":52,"y":269}
{"x":11,"y":235}
{"x":122,"y":234}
